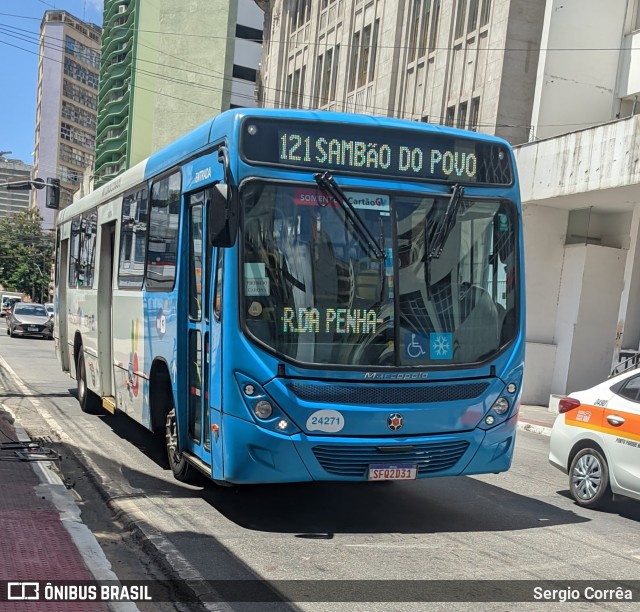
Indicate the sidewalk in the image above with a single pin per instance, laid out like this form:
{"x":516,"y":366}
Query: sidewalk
{"x":42,"y":535}
{"x":536,"y":419}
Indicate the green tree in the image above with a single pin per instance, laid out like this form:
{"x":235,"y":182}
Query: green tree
{"x":26,"y":255}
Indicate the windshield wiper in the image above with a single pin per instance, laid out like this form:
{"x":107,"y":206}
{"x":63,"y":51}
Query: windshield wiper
{"x":327,"y":182}
{"x":445,"y":226}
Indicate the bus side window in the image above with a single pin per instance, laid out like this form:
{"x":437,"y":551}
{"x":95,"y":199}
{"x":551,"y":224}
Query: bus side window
{"x":217,"y":302}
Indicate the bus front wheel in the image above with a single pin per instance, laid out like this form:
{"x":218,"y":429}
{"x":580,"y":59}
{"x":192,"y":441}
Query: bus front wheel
{"x":180,"y":467}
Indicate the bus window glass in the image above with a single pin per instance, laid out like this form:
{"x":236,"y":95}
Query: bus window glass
{"x":217,"y":305}
{"x":162,"y":247}
{"x":88,"y":236}
{"x":133,"y":240}
{"x":74,"y":252}
{"x":455,"y":301}
{"x":314,"y":292}
{"x":195,"y":258}
{"x":195,"y":384}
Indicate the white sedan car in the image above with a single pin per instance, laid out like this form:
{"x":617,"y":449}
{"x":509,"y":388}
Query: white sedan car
{"x":596,"y":440}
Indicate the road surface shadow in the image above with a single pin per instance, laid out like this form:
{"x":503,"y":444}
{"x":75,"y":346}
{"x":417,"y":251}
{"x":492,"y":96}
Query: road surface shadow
{"x":320,"y":509}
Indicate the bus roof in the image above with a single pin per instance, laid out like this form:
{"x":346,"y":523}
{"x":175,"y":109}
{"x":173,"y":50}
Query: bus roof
{"x":225,"y":125}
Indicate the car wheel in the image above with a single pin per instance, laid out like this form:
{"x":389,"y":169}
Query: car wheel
{"x":180,"y":467}
{"x":89,"y":401}
{"x":589,"y":479}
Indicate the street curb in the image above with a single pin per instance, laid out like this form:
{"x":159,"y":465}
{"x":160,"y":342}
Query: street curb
{"x":52,"y":488}
{"x":535,"y":428}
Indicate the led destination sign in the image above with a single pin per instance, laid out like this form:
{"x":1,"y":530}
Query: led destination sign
{"x":389,"y":152}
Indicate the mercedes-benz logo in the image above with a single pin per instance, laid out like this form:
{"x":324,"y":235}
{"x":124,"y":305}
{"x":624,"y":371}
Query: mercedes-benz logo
{"x":395,"y":421}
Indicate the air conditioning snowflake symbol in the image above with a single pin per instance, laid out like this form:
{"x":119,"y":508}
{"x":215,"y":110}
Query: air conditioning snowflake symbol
{"x":441,"y":345}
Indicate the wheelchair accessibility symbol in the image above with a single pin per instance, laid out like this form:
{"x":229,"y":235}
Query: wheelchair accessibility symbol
{"x":416,"y":345}
{"x":414,"y":348}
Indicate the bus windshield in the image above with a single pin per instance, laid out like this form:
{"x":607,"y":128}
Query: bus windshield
{"x":314,"y":290}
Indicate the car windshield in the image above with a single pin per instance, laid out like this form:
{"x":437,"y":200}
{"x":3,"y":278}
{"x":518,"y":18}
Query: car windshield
{"x":30,"y":310}
{"x":315,"y":290}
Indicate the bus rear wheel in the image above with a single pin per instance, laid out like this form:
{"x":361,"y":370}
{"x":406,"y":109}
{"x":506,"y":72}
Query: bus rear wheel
{"x":89,"y":401}
{"x":180,"y":467}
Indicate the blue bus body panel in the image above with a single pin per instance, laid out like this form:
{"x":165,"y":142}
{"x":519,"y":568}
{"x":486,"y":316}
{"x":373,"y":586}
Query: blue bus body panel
{"x":271,"y":457}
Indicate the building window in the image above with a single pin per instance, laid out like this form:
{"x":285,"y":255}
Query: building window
{"x":353,"y":64}
{"x":295,"y":88}
{"x":244,"y":73}
{"x":363,"y":56}
{"x":473,"y":116}
{"x":414,"y":26}
{"x":472,"y":19}
{"x":435,"y":22}
{"x":326,"y":77}
{"x":486,"y":12}
{"x":247,"y":33}
{"x":461,"y":10}
{"x":449,"y":117}
{"x":462,"y":115}
{"x":300,"y":13}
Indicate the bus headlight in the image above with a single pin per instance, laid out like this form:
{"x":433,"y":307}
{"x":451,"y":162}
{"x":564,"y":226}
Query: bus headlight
{"x":263,"y":409}
{"x":500,"y":406}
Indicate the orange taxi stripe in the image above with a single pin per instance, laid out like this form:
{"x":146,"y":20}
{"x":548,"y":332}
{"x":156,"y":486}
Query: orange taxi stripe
{"x":592,"y":417}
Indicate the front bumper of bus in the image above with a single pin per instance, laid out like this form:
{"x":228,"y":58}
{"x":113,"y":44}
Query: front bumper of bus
{"x":272,"y":457}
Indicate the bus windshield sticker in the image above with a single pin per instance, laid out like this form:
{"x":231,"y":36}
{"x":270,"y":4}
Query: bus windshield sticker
{"x":416,"y":345}
{"x":255,"y":279}
{"x":364,"y":201}
{"x":255,"y":309}
{"x":330,"y":421}
{"x":441,"y":346}
{"x":330,"y":320}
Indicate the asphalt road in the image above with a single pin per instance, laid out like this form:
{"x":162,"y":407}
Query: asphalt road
{"x":520,"y":525}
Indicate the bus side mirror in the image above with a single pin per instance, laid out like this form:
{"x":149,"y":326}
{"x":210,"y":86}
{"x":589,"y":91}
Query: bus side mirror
{"x":222,"y":223}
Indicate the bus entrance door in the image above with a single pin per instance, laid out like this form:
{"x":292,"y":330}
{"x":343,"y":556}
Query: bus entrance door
{"x":199,"y":335}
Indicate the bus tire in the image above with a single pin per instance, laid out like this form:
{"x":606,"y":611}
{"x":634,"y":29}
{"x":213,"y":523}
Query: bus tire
{"x":89,"y":401}
{"x":180,"y":467}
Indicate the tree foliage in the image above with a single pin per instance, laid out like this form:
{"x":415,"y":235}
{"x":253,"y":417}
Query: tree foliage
{"x":26,"y":254}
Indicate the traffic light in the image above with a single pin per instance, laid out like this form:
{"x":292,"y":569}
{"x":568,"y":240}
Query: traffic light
{"x":53,"y":193}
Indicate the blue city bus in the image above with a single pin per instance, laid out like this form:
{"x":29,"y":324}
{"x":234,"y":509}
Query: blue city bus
{"x":295,"y":295}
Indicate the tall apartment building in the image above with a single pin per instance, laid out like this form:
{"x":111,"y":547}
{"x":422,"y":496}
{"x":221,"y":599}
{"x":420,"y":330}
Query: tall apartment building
{"x":438,"y":61}
{"x":67,"y":102}
{"x":13,"y":170}
{"x":166,"y":68}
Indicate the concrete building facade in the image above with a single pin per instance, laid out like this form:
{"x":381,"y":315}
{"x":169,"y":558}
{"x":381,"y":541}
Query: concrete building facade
{"x":580,"y":182}
{"x":67,"y":101}
{"x":166,"y":68}
{"x":13,"y":170}
{"x":438,"y":61}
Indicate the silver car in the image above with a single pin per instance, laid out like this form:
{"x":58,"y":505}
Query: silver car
{"x":28,"y":319}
